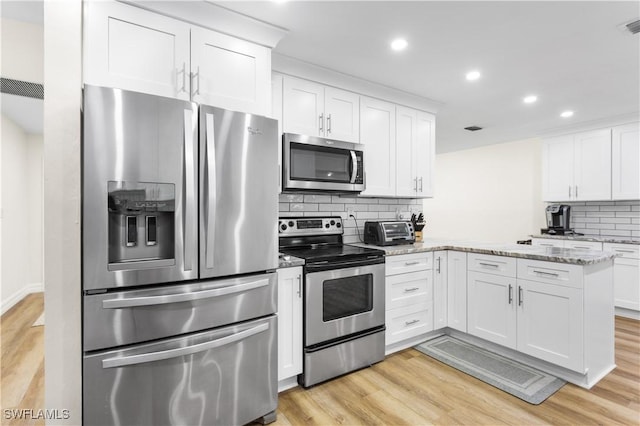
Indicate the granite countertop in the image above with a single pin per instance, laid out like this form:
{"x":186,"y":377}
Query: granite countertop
{"x":619,"y":240}
{"x":287,"y":261}
{"x":548,"y":254}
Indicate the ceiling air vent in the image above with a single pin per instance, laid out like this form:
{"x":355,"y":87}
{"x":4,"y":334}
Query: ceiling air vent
{"x":633,"y":27}
{"x":473,"y":128}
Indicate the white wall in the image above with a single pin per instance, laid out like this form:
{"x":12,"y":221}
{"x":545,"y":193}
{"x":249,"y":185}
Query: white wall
{"x":62,"y":103}
{"x":22,"y":51}
{"x":35,"y":144}
{"x":490,"y":193}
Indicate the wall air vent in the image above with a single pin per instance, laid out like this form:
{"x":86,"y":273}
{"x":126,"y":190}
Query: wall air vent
{"x":633,"y":27}
{"x":473,"y":128}
{"x":21,"y":88}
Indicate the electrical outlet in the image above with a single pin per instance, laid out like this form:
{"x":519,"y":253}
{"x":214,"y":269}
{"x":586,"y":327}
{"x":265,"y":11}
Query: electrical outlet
{"x":403,"y":215}
{"x":350,"y":212}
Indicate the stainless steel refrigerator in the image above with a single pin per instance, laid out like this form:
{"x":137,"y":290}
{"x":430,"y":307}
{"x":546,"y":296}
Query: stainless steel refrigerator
{"x":179,"y":257}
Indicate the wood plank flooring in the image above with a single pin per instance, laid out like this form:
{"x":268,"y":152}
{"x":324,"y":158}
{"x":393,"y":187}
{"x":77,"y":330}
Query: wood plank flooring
{"x":408,"y":388}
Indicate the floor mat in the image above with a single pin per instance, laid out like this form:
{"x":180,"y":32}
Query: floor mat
{"x":519,"y":380}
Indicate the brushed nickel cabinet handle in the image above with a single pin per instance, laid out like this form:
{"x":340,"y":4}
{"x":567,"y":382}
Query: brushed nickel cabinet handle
{"x":551,"y":274}
{"x":328,"y":123}
{"x":321,"y":123}
{"x":299,"y":286}
{"x":569,"y":191}
{"x":520,"y":300}
{"x":415,"y":262}
{"x":510,"y":293}
{"x":406,"y":323}
{"x":412,"y":289}
{"x":493,"y":265}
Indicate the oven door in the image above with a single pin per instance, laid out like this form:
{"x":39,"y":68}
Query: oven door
{"x":341,"y":302}
{"x":321,"y":164}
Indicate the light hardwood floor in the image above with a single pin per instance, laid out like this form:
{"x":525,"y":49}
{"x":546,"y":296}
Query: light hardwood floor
{"x":408,"y":388}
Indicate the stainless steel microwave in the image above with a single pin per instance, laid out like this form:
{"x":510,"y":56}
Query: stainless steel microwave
{"x":318,"y":164}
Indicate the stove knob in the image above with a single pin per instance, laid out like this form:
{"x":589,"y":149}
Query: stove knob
{"x":326,"y":225}
{"x":338,"y":225}
{"x":283,"y":227}
{"x":333,"y":222}
{"x":291,"y":223}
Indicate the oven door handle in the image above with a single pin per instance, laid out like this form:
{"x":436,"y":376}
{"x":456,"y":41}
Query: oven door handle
{"x":354,"y":166}
{"x":189,"y":350}
{"x":326,"y":265}
{"x":182,"y":297}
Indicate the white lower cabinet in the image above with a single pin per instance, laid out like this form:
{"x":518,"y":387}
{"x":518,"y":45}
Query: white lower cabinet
{"x":626,"y":275}
{"x":439,"y":289}
{"x":492,"y":308}
{"x":550,"y":327}
{"x":457,"y":290}
{"x":409,"y":296}
{"x":289,"y":322}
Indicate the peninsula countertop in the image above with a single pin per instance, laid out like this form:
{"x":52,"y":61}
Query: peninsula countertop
{"x":548,"y":254}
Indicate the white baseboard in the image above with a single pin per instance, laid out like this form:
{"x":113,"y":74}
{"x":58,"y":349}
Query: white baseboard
{"x":627,"y":313}
{"x":12,"y":300}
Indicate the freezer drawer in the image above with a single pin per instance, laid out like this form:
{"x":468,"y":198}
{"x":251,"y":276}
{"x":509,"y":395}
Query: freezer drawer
{"x":127,"y":317}
{"x":190,"y":380}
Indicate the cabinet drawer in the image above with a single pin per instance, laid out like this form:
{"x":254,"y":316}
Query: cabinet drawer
{"x":626,"y":251}
{"x":550,"y":272}
{"x":547,"y":242}
{"x":409,"y":289}
{"x":410,"y":321}
{"x":408,"y":263}
{"x":497,"y":265}
{"x":583,"y":245}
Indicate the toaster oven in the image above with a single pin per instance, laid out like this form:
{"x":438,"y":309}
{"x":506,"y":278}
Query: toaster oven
{"x":389,"y":233}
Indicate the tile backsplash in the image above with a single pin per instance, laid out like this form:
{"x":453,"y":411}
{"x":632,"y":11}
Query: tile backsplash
{"x":363,"y":209}
{"x":606,"y":218}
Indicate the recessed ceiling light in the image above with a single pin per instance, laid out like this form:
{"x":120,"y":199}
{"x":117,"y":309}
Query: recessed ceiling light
{"x":473,"y":75}
{"x":399,"y":44}
{"x":566,"y":114}
{"x":530,"y":99}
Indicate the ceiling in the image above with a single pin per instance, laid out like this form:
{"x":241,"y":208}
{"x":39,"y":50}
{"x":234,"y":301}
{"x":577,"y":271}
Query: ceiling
{"x":572,"y":55}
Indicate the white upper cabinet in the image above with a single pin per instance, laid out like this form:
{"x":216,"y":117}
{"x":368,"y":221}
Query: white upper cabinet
{"x":133,"y":49}
{"x":378,"y":122}
{"x":577,"y":167}
{"x":229,"y":72}
{"x":415,"y":151}
{"x":313,"y":109}
{"x":592,"y":165}
{"x":625,"y":157}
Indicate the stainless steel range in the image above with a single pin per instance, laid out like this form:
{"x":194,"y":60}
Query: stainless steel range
{"x":344,"y":298}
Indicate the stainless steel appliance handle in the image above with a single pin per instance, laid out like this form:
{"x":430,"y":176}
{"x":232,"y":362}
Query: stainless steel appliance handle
{"x":182,"y":297}
{"x":210,"y":163}
{"x":189,"y":214}
{"x":510,"y":293}
{"x":546,"y":273}
{"x":189,"y":350}
{"x":354,"y":166}
{"x":321,"y":125}
{"x":328,"y":123}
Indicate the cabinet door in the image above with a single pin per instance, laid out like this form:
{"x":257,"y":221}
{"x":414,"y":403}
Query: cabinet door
{"x":130,"y":48}
{"x":557,"y":169}
{"x":626,"y":275}
{"x":230,"y":73}
{"x":406,"y":124}
{"x":423,"y":153}
{"x":440,"y":290}
{"x":592,"y":165}
{"x":378,"y":121}
{"x":492,"y":308}
{"x":303,"y":110}
{"x":550,"y":323}
{"x":276,"y":113}
{"x":625,"y":162}
{"x":342,"y":115}
{"x":289,"y":322}
{"x":457,"y":290}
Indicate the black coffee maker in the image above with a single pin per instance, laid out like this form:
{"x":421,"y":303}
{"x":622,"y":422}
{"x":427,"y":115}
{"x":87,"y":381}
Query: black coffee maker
{"x":557,"y":219}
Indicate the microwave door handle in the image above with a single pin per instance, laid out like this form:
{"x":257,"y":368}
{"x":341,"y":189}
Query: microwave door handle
{"x":188,"y":350}
{"x":354,"y":166}
{"x":189,"y":215}
{"x":210,"y":194}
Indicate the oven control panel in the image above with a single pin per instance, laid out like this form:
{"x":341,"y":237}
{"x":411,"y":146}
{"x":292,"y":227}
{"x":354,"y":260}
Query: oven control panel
{"x":291,"y":226}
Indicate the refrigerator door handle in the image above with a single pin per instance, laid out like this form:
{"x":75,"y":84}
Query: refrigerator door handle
{"x":210,"y":194}
{"x":189,"y":350}
{"x":189,"y":215}
{"x":132,"y":302}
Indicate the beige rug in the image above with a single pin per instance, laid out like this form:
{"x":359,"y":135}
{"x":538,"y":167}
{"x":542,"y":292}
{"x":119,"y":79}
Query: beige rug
{"x":39,"y":321}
